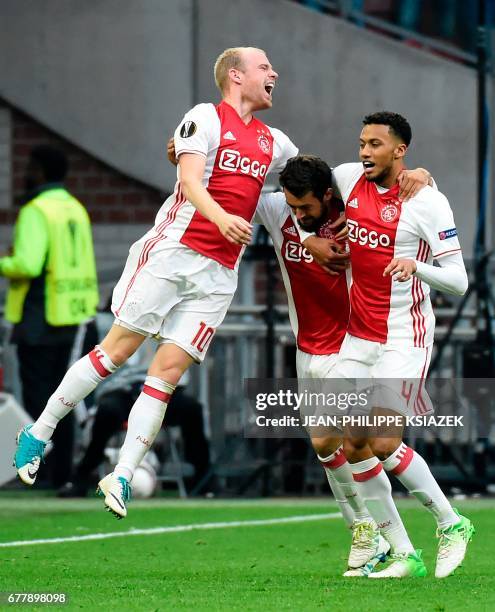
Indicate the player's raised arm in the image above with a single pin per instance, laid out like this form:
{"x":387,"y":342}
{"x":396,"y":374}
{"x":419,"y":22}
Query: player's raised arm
{"x":344,"y":177}
{"x":411,"y":181}
{"x":191,"y":170}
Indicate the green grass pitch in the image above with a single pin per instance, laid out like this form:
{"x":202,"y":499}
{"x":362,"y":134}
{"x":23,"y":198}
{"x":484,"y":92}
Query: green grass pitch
{"x":280,"y":566}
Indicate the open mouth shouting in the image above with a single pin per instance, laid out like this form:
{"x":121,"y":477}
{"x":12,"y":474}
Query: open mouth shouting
{"x":368,"y":167}
{"x":269,"y":87}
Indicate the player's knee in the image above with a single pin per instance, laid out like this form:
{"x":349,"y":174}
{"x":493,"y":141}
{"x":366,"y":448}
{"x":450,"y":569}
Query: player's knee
{"x":118,"y":352}
{"x":326,"y":446}
{"x":354,"y":448}
{"x":383,"y":447}
{"x":119,"y":355}
{"x":170,"y":373}
{"x":120,"y":343}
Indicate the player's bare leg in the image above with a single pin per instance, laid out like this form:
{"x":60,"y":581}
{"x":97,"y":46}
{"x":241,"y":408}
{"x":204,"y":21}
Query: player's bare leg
{"x":453,"y":530}
{"x":367,"y":544}
{"x":120,"y":343}
{"x":145,"y":420}
{"x":81,"y":378}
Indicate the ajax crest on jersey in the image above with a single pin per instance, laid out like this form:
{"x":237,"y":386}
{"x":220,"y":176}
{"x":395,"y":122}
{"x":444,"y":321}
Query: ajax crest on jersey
{"x":264,"y":143}
{"x":389,"y":213}
{"x":325,"y":231}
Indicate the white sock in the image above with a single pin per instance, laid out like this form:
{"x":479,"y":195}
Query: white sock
{"x":80,"y":379}
{"x":375,"y":489}
{"x":145,"y":419}
{"x":344,"y":489}
{"x":345,"y":508}
{"x":413,"y":472}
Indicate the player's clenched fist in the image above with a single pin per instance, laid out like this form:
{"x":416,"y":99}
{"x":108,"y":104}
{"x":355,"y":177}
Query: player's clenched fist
{"x":236,"y":229}
{"x":400,"y":269}
{"x":328,"y":253}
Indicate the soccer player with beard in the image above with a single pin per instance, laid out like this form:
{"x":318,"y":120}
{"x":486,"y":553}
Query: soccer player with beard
{"x":180,"y":277}
{"x":390,"y":333}
{"x":318,"y":313}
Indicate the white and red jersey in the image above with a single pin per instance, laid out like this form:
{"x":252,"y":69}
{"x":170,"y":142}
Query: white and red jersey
{"x":318,"y":302}
{"x":381,"y":228}
{"x":238,"y":158}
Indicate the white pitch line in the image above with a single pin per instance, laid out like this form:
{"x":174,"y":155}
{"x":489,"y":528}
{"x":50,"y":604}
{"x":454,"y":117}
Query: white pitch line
{"x":174,"y":529}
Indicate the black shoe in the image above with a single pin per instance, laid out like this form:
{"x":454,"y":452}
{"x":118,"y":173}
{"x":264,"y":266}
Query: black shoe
{"x":72,"y":489}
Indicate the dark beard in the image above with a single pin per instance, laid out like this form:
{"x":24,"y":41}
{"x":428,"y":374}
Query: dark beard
{"x":315,"y":225}
{"x":312,"y":227}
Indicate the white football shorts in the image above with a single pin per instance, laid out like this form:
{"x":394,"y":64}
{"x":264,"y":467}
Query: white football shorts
{"x":399,"y":372}
{"x":313,"y":372}
{"x":170,"y":292}
{"x":314,"y":366}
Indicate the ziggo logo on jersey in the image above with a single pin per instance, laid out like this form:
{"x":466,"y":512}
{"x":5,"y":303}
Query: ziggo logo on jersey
{"x":232,"y":161}
{"x":364,"y":237}
{"x":294,"y":251}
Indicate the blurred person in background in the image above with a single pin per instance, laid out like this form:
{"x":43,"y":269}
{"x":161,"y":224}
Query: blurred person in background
{"x":52,"y":289}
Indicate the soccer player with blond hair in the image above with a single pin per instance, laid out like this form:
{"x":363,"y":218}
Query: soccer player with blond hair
{"x":180,"y":277}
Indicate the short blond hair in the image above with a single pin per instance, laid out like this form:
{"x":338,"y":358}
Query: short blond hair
{"x":230,"y":58}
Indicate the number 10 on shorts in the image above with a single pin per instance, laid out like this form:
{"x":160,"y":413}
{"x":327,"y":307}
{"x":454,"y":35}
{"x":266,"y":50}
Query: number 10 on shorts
{"x":203,"y":336}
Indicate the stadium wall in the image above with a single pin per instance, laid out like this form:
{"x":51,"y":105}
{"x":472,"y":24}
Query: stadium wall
{"x":113,"y":76}
{"x":121,"y":208}
{"x":116,"y":76}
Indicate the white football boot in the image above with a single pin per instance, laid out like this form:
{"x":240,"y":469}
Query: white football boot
{"x":364,"y":546}
{"x":380,"y":556}
{"x":117,"y":493}
{"x":404,"y":565}
{"x":452,"y":546}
